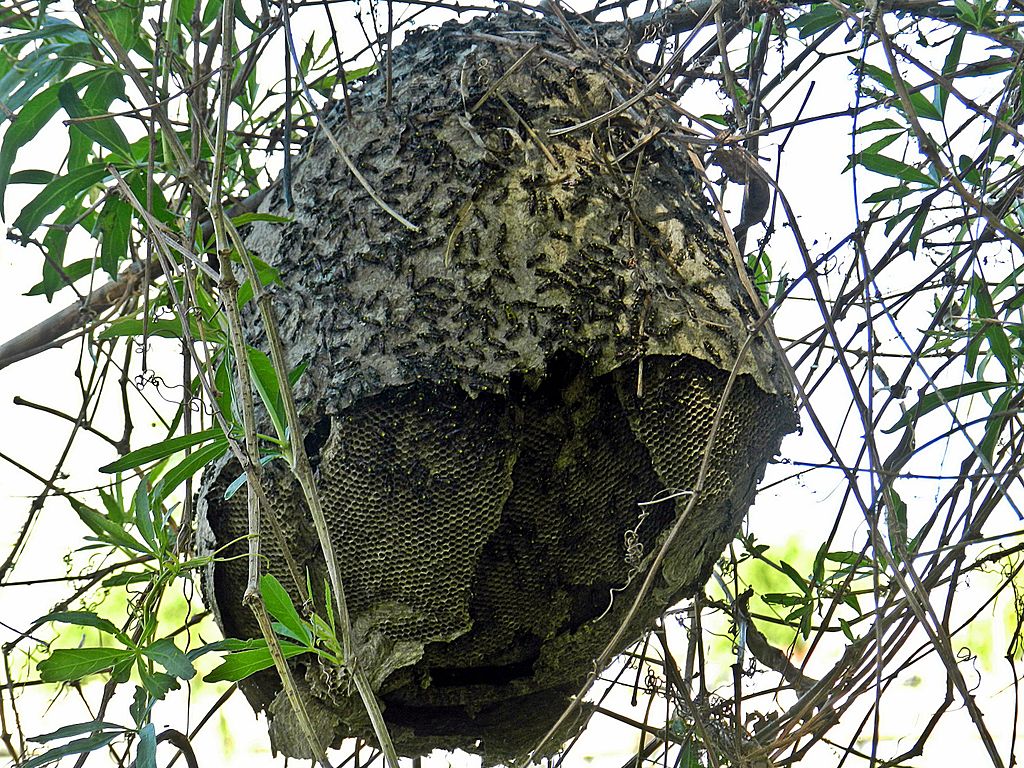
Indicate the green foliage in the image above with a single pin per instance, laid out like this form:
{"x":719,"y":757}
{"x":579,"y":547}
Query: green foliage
{"x":318,"y":636}
{"x":932,"y":186}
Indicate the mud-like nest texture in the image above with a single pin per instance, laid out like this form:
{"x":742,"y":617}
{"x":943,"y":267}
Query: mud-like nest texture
{"x":492,"y":402}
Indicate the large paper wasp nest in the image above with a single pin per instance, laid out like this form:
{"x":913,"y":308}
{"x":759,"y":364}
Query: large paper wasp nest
{"x":492,"y":401}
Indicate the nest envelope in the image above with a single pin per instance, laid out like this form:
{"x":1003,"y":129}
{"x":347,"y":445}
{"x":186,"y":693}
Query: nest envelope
{"x":492,"y":402}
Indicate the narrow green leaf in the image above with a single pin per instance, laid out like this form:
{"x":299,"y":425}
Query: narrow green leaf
{"x":66,"y":664}
{"x":932,"y":400}
{"x":124,"y":17}
{"x":248,"y":218}
{"x":103,"y":130}
{"x":165,"y":653}
{"x":847,"y":629}
{"x":143,"y":191}
{"x":994,"y":425}
{"x":819,"y":18}
{"x":795,"y":577}
{"x":105,"y":529}
{"x":75,"y":271}
{"x":917,"y":230}
{"x":128,"y":577}
{"x":882,"y":125}
{"x":241,"y":664}
{"x":896,"y":521}
{"x":77,"y":747}
{"x":54,"y":242}
{"x":112,"y":504}
{"x":145,"y":753}
{"x":142,"y":514}
{"x":160,"y":450}
{"x":777,"y":598}
{"x":157,"y":684}
{"x":922,"y":107}
{"x":50,"y":28}
{"x":62,"y":191}
{"x":32,"y":176}
{"x":115,"y":226}
{"x":264,"y":378}
{"x":243,"y":478}
{"x":186,"y":468}
{"x":165,"y":329}
{"x":949,"y":67}
{"x":141,"y":705}
{"x":890,"y":193}
{"x":888,"y":166}
{"x":280,"y":606}
{"x":995,"y":334}
{"x":84,"y":619}
{"x":848,"y":558}
{"x":76,"y":730}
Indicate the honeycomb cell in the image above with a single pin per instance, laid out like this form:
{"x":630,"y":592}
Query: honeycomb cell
{"x":490,"y":415}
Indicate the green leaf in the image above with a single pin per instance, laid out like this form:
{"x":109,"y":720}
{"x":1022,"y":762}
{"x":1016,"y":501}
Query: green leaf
{"x":66,"y":664}
{"x":79,"y":746}
{"x":124,"y":17}
{"x":922,"y":107}
{"x":248,"y":218}
{"x":101,"y":129}
{"x":896,"y":521}
{"x":140,"y":706}
{"x":62,"y":191}
{"x":84,"y":619}
{"x":994,"y":425}
{"x":27,"y":125}
{"x":128,"y":577}
{"x":138,"y":183}
{"x":848,"y":558}
{"x":145,"y":753}
{"x":54,"y":242}
{"x":949,"y":67}
{"x":777,"y":598}
{"x":882,"y":125}
{"x":105,"y":529}
{"x":795,"y":577}
{"x":142,"y":513}
{"x":185,"y":469}
{"x":32,"y":176}
{"x":264,"y":378}
{"x":241,"y":664}
{"x":115,"y":225}
{"x":847,"y":629}
{"x":815,"y":20}
{"x":51,"y":27}
{"x":932,"y":400}
{"x":280,"y":606}
{"x":78,"y":728}
{"x":113,"y":503}
{"x":165,"y":329}
{"x":243,"y":478}
{"x":157,"y":684}
{"x":998,"y":342}
{"x":890,"y":193}
{"x":165,"y":653}
{"x":887,"y":166}
{"x":160,"y":450}
{"x":75,"y":272}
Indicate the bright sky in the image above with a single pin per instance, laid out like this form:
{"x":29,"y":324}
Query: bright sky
{"x":813,"y":181}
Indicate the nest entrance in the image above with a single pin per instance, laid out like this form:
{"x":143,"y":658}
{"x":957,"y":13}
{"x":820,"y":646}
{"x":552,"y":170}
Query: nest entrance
{"x":491,"y":399}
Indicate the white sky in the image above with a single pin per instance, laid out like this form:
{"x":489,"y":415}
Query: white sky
{"x":817,"y":189}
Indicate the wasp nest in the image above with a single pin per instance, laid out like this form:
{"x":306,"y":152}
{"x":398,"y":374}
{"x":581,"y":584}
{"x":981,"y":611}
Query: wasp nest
{"x":492,"y":400}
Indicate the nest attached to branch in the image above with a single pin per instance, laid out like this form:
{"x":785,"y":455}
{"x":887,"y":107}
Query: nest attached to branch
{"x":492,"y":401}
